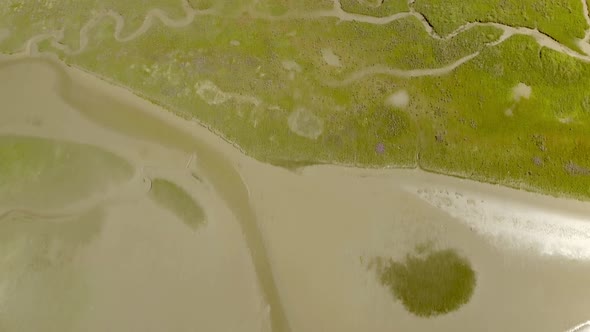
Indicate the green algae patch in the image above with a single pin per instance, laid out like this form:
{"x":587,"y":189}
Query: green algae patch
{"x":46,"y":173}
{"x":175,"y":199}
{"x":429,"y":284}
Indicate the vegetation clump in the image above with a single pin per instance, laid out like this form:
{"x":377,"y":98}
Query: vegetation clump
{"x":428,"y":285}
{"x":174,"y":198}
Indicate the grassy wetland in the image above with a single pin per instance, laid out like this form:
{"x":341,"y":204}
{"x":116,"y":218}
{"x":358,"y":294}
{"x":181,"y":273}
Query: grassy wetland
{"x":261,"y":75}
{"x":137,"y":141}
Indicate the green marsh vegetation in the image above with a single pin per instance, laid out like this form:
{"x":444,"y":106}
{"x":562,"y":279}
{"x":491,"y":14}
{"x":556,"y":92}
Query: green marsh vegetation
{"x":244,"y":75}
{"x":355,"y":119}
{"x":282,"y":7}
{"x":533,"y":146}
{"x":429,"y":283}
{"x":26,"y":19}
{"x":377,"y":8}
{"x":562,"y":20}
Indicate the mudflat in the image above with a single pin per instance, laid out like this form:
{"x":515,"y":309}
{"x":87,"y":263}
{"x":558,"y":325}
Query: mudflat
{"x":272,"y":249}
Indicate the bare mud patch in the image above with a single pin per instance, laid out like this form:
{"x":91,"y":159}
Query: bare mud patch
{"x":521,"y":91}
{"x":330,"y":58}
{"x":565,"y":120}
{"x":211,"y":93}
{"x":399,"y":99}
{"x":576,"y":170}
{"x":291,"y":65}
{"x":304,"y":123}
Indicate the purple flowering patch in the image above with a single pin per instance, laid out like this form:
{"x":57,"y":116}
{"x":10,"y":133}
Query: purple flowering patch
{"x":380,"y":148}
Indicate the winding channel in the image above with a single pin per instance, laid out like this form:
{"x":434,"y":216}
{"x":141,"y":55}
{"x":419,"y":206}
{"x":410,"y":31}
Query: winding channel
{"x":337,"y":12}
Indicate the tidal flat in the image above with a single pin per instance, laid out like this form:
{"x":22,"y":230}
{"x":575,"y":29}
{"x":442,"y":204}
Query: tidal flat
{"x":275,"y":250}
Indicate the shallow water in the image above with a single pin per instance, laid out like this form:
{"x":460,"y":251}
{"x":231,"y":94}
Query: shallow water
{"x":277,"y":250}
{"x":146,"y":269}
